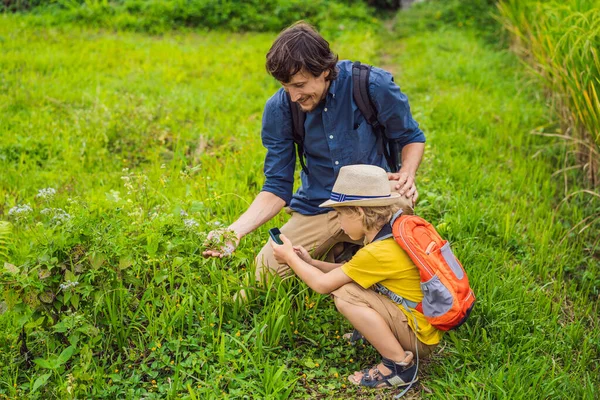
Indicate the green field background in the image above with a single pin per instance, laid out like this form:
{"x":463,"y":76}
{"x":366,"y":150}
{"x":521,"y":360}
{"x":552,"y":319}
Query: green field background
{"x":151,"y":141}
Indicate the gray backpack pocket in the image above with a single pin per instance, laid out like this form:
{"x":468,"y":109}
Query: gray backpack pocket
{"x":437,"y":300}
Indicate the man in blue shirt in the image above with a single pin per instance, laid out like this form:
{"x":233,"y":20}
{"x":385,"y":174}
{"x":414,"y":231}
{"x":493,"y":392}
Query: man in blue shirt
{"x":336,"y":134}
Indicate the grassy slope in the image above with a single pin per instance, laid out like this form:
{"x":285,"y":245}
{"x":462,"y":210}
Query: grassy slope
{"x":77,"y":106}
{"x":487,"y":181}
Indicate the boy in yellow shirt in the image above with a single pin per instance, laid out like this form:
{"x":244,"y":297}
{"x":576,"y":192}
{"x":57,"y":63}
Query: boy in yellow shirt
{"x":362,"y":197}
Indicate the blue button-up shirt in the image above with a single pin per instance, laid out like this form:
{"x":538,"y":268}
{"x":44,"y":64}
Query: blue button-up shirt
{"x":336,"y":134}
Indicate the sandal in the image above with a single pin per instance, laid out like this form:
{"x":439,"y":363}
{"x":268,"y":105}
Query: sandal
{"x":402,"y":374}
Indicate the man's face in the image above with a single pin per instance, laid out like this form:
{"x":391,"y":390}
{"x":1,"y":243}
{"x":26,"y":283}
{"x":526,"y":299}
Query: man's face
{"x":306,"y":89}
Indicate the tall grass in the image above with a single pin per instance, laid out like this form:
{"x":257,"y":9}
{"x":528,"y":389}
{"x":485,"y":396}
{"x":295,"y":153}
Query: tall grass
{"x":560,"y":40}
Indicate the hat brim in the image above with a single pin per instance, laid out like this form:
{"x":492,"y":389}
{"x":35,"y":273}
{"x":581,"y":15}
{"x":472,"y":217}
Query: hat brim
{"x":383,"y":201}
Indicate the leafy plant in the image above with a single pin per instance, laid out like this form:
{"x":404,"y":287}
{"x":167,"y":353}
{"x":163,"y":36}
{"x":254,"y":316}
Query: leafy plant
{"x":5,"y":232}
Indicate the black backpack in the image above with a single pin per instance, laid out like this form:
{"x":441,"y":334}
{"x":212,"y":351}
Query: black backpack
{"x":360,"y":92}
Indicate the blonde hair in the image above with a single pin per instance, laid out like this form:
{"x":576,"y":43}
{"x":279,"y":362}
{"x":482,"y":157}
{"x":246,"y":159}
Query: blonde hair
{"x":376,"y":217}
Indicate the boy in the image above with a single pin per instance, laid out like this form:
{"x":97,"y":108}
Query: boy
{"x":361,"y":195}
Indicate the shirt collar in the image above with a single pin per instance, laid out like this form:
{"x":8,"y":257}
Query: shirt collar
{"x":333,"y":87}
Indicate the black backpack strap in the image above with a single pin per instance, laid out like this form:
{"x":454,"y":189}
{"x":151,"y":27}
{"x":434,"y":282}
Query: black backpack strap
{"x":298,"y":118}
{"x":362,"y":98}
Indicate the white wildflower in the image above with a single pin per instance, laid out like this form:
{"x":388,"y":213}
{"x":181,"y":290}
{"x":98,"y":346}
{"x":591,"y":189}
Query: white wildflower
{"x":114,"y":195}
{"x":217,"y":223}
{"x":46,"y":193}
{"x":61,"y":216}
{"x":19,"y":211}
{"x":136,"y":212}
{"x":183,"y":213}
{"x":191,"y":223}
{"x":68,"y":285}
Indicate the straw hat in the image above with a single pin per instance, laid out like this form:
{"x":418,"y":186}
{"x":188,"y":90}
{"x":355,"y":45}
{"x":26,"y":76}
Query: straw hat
{"x":361,"y":185}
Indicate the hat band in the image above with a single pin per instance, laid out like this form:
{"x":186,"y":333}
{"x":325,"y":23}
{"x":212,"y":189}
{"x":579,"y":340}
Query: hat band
{"x":341,"y":197}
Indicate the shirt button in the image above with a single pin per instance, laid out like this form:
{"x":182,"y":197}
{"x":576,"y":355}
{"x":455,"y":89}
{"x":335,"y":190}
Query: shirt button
{"x":330,"y":136}
{"x":325,"y":109}
{"x":337,"y":163}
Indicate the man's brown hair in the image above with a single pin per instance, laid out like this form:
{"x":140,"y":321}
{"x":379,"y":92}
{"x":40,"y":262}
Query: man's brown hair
{"x":300,"y":47}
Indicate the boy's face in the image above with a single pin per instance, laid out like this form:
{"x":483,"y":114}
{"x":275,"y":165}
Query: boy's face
{"x":352,"y":224}
{"x":307,"y":90}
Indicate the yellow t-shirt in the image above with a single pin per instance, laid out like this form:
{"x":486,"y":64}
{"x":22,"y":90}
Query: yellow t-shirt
{"x":387,"y":263}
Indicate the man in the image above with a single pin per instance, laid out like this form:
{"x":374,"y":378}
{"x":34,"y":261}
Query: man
{"x":336,"y":134}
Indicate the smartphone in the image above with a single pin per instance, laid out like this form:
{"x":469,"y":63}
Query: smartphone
{"x":274,"y":233}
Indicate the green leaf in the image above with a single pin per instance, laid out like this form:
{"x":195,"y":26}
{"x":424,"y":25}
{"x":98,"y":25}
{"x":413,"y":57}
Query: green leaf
{"x":152,"y":245}
{"x":66,"y":297}
{"x":23,"y":318}
{"x":177,"y":261}
{"x":309,"y":363}
{"x":66,"y":355}
{"x":36,"y":323}
{"x":11,"y":268}
{"x":44,"y":273}
{"x":43,"y":363}
{"x":75,"y":301}
{"x":40,"y":381}
{"x":46,"y":297}
{"x":96,"y":260}
{"x":125,"y":262}
{"x":70,"y":276}
{"x":60,"y":327}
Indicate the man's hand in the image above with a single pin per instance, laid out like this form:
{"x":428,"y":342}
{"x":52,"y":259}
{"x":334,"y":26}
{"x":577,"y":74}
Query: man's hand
{"x":221,"y":243}
{"x":283,"y":252}
{"x":405,"y":185}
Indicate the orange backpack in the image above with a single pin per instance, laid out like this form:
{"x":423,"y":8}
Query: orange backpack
{"x":447,"y":296}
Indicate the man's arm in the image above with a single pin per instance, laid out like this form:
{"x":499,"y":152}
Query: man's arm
{"x":411,"y":156}
{"x":264,"y":207}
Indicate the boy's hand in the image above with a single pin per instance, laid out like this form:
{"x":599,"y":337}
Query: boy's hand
{"x":282,"y":252}
{"x":220,"y":243}
{"x":303,"y":254}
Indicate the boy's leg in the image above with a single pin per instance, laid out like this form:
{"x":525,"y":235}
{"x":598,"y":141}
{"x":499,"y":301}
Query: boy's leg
{"x":316,"y":233}
{"x":373,"y":327}
{"x":381,"y":322}
{"x":350,"y":296}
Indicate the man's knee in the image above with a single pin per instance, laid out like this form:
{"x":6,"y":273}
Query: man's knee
{"x":262,"y":266}
{"x":266,"y":264}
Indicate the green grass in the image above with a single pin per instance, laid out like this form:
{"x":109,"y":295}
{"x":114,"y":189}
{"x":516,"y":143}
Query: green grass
{"x":181,"y":113}
{"x":559,"y":40}
{"x":157,"y":17}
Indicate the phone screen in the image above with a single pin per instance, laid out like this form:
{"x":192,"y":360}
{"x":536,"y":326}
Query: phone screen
{"x":274,"y":233}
